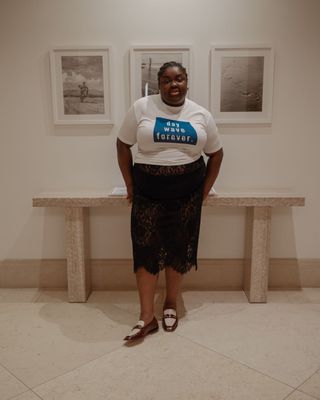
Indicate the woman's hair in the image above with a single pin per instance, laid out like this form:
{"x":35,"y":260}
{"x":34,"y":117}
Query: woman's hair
{"x":169,"y":65}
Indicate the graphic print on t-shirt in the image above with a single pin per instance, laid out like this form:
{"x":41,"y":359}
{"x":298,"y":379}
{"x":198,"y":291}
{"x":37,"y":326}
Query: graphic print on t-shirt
{"x":173,"y":131}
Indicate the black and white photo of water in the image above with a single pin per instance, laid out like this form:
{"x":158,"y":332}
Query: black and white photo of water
{"x":150,"y":64}
{"x":82,"y":79}
{"x":241,"y":84}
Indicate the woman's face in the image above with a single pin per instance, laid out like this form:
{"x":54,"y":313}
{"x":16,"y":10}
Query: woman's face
{"x":173,"y":86}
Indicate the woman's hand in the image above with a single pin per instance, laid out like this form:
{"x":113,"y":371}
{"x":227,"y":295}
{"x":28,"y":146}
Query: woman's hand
{"x":213,"y":167}
{"x":125,"y":164}
{"x":206,"y":191}
{"x":129,"y":193}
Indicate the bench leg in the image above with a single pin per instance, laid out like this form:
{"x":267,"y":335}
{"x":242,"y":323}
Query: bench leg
{"x":78,"y":264}
{"x":257,"y":252}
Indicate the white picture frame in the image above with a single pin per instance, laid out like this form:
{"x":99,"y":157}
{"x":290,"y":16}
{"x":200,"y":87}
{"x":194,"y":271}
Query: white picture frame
{"x":241,"y":84}
{"x":81,"y":85}
{"x":146,"y":60}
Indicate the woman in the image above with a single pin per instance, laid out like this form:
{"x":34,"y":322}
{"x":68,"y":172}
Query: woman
{"x":166,"y":185}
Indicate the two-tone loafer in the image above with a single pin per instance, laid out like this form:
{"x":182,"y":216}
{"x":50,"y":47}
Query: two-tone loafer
{"x":140,"y":330}
{"x":170,"y":319}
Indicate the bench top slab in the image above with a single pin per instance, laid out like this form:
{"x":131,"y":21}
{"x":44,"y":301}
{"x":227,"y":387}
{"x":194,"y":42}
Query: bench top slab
{"x":230,"y":199}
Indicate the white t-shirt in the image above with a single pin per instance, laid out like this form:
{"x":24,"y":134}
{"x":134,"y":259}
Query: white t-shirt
{"x":169,"y":135}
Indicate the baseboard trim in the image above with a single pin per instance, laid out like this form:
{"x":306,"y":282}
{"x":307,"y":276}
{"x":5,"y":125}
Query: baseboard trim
{"x":117,"y":274}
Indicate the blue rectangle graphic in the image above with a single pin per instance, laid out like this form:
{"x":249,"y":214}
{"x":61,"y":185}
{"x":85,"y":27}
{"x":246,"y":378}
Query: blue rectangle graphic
{"x":173,"y":131}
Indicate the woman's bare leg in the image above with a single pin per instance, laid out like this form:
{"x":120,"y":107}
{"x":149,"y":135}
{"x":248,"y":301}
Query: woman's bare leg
{"x":173,"y":286}
{"x":146,"y":283}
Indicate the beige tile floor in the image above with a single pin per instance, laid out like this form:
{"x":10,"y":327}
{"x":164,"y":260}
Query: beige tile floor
{"x":223,"y":349}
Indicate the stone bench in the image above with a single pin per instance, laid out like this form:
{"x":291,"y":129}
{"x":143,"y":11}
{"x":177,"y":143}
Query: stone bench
{"x":258,"y":221}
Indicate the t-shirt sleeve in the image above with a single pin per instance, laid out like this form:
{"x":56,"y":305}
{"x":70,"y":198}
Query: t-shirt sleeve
{"x":128,"y":130}
{"x":213,"y":140}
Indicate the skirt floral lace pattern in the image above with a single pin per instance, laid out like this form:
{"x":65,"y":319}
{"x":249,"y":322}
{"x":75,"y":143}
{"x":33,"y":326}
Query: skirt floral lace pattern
{"x":165,"y":215}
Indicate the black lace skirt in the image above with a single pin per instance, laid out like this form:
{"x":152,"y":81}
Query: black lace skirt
{"x":165,"y":215}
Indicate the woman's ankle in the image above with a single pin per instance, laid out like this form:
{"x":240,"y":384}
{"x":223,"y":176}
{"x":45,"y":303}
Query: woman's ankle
{"x":146,"y":317}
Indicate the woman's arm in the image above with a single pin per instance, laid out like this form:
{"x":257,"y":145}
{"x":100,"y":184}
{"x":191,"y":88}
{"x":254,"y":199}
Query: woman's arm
{"x":125,"y":164}
{"x":212,"y":171}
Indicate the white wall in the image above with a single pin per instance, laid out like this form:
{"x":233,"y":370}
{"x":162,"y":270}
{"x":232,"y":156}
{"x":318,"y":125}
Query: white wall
{"x":36,"y":155}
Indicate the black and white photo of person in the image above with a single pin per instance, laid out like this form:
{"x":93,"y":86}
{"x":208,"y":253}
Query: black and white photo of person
{"x":83,"y":86}
{"x":84,"y":91}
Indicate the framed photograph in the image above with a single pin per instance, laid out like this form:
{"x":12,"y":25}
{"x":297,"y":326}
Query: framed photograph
{"x":145,"y":62}
{"x":81,"y":85}
{"x":241,"y":84}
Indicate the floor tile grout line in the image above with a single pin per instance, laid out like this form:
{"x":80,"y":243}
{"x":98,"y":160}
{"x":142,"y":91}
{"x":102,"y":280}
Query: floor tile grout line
{"x":18,"y":379}
{"x":199,"y":344}
{"x":183,"y":337}
{"x":317,"y":370}
{"x":18,"y":395}
{"x":297,"y":390}
{"x":289,"y":394}
{"x":36,"y":394}
{"x":73,"y":369}
{"x":77,"y":367}
{"x":300,"y":390}
{"x":237,"y":361}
